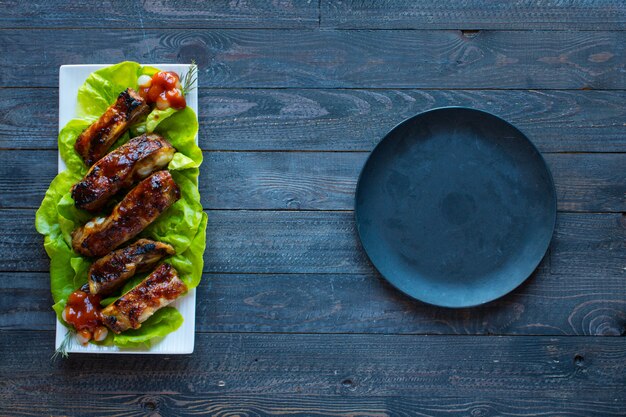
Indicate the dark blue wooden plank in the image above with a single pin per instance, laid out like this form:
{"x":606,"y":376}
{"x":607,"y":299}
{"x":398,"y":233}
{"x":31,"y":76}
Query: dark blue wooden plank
{"x":322,"y":374}
{"x":334,"y":59}
{"x":159,"y":15}
{"x":25,"y":301}
{"x":593,"y":181}
{"x":601,"y":239}
{"x":358,"y":119}
{"x":473,"y":14}
{"x":21,"y":247}
{"x":298,"y":405}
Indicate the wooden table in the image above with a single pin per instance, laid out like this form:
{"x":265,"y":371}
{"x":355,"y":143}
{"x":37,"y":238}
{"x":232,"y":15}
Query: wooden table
{"x":292,"y":319}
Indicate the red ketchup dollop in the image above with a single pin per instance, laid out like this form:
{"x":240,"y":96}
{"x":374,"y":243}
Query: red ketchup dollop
{"x":165,"y":90}
{"x":82,"y":311}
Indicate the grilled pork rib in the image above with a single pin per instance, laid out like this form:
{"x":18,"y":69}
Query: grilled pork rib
{"x":110,"y":272}
{"x":141,"y":206}
{"x":96,"y":140}
{"x":159,"y":289}
{"x":121,"y":168}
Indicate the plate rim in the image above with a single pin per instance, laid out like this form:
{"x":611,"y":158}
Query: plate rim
{"x":552,"y":189}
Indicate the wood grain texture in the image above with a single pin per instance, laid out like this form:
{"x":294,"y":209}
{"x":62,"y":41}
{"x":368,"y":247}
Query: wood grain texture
{"x":602,"y":238}
{"x":25,"y":301}
{"x":19,"y":187}
{"x":473,"y":14}
{"x":460,"y":374}
{"x":287,"y":242}
{"x":354,"y":120}
{"x":21,"y":247}
{"x":314,"y":180}
{"x":585,"y":304}
{"x":26,"y":125}
{"x":596,"y":182}
{"x":159,"y":14}
{"x":257,"y":405}
{"x":357,"y":119}
{"x":334,"y":59}
{"x":279,"y":180}
{"x":325,"y":242}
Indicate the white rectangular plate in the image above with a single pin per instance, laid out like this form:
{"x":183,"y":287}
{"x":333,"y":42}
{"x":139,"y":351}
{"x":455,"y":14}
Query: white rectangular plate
{"x":71,"y":77}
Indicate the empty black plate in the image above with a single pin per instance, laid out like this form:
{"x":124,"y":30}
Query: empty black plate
{"x":455,"y":207}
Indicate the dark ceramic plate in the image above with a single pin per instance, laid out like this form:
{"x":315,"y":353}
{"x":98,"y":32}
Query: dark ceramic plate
{"x":455,"y":207}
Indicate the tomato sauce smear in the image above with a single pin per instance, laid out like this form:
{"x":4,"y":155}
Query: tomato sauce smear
{"x":82,"y":311}
{"x":163,"y":89}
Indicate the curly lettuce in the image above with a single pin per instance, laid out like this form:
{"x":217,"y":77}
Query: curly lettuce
{"x":183,"y":225}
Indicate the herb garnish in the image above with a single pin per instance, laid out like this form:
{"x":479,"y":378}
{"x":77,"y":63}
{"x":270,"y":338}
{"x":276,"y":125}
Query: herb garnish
{"x":190,"y":78}
{"x":62,"y":350}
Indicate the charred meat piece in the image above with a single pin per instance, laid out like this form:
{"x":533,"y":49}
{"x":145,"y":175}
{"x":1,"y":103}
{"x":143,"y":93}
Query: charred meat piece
{"x":121,"y":168}
{"x":159,"y":289}
{"x":96,"y":140}
{"x":141,"y":206}
{"x":110,"y":272}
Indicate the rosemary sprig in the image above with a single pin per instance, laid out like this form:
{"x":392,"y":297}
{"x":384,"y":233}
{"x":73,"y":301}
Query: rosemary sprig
{"x":190,"y":78}
{"x":62,"y":350}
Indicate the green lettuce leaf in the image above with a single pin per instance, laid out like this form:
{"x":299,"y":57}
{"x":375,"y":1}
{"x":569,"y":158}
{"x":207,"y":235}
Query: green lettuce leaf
{"x":67,"y":138}
{"x":47,"y":223}
{"x":163,"y":322}
{"x":183,"y":225}
{"x":189,"y":263}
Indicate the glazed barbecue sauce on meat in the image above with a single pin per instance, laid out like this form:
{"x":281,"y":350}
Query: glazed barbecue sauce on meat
{"x":94,"y":142}
{"x":139,"y":208}
{"x":119,"y":169}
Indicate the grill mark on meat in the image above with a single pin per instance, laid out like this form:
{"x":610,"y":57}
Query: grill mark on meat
{"x":121,"y":168}
{"x":159,"y":289}
{"x":140,"y":207}
{"x":110,"y":272}
{"x":93,"y":143}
